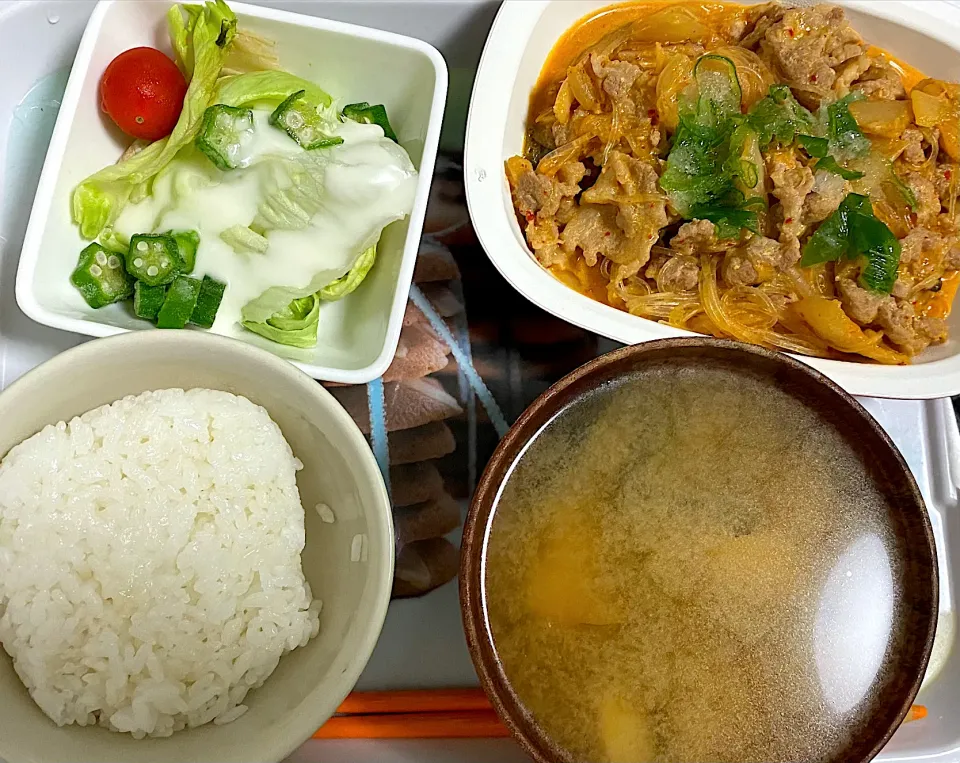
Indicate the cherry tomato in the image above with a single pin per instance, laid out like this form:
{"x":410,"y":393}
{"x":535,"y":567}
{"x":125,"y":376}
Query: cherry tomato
{"x":142,"y":91}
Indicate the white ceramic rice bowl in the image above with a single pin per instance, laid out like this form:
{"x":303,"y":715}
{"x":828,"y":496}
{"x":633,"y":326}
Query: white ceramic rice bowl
{"x":338,"y":470}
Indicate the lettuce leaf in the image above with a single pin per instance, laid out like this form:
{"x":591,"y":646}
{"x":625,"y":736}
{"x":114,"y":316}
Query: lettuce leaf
{"x":114,"y":241}
{"x":289,"y":315}
{"x":99,"y":199}
{"x":180,"y":30}
{"x":276,"y":299}
{"x":346,"y":284}
{"x":244,"y":89}
{"x":244,"y":241}
{"x":294,"y":326}
{"x":296,"y":196}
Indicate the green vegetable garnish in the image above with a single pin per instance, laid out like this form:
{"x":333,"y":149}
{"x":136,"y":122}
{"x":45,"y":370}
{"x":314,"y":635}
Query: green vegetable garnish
{"x":816,"y":147}
{"x":289,"y":315}
{"x":376,"y":115}
{"x":354,"y":277}
{"x":303,"y":120}
{"x":208,"y":302}
{"x":830,"y":164}
{"x":154,"y":259}
{"x":294,"y":326}
{"x":224,"y":131}
{"x":853,"y":231}
{"x":708,"y":169}
{"x":188,"y":241}
{"x":147,"y":300}
{"x":729,"y":221}
{"x":904,"y":190}
{"x":179,"y":303}
{"x":843,"y":132}
{"x":819,"y":148}
{"x":778,"y":116}
{"x":98,"y":200}
{"x":100,"y":277}
{"x":878,"y":244}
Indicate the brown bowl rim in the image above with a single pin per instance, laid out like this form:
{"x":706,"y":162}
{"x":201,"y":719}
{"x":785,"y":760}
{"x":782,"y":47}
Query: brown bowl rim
{"x":473,"y":547}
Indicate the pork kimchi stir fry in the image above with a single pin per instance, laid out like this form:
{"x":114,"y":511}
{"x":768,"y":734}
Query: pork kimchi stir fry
{"x":754,"y":172}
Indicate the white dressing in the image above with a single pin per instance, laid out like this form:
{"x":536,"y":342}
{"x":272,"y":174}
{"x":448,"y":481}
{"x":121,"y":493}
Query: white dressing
{"x":363,"y":185}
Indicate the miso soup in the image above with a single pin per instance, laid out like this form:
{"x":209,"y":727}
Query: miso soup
{"x":688,"y":565}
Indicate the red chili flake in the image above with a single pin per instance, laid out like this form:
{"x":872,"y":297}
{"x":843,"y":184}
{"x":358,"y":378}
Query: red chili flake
{"x":530,"y":217}
{"x":813,"y":77}
{"x":790,"y":32}
{"x":947,"y":175}
{"x":651,"y":113}
{"x":607,"y":233}
{"x":788,"y":220}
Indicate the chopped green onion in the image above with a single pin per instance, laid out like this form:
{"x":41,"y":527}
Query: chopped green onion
{"x":830,"y":164}
{"x":778,"y":116}
{"x":904,"y":190}
{"x":876,"y":242}
{"x":854,"y":231}
{"x":727,"y":221}
{"x":816,"y":147}
{"x":708,"y":175}
{"x":843,"y":132}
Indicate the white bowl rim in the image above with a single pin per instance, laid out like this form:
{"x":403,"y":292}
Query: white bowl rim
{"x":497,"y":232}
{"x":26,"y":269}
{"x":300,"y":726}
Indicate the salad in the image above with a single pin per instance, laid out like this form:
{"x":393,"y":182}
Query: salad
{"x":249,"y":197}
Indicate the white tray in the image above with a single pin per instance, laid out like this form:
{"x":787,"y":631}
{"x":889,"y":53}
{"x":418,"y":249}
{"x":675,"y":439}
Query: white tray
{"x":422,"y":644}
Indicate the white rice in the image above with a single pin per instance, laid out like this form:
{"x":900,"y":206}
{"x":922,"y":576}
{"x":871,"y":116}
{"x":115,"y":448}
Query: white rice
{"x":150,"y":561}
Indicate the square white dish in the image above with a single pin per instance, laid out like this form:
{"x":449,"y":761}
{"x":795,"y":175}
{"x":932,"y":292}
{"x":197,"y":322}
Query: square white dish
{"x":924,"y":33}
{"x":357,"y":336}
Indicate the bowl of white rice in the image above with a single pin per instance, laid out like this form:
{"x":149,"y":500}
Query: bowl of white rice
{"x":196,"y":553}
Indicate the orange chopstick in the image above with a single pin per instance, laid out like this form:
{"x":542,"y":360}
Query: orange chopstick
{"x":414,"y":701}
{"x":462,"y":724}
{"x":917,"y":712}
{"x":432,"y":714}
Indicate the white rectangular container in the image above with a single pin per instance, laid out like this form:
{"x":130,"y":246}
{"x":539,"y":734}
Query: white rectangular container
{"x":923,"y":33}
{"x":357,"y":336}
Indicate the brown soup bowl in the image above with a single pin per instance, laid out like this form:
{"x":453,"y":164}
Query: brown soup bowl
{"x":912,"y":546}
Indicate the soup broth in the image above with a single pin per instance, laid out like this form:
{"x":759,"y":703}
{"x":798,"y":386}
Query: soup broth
{"x":692,"y":567}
